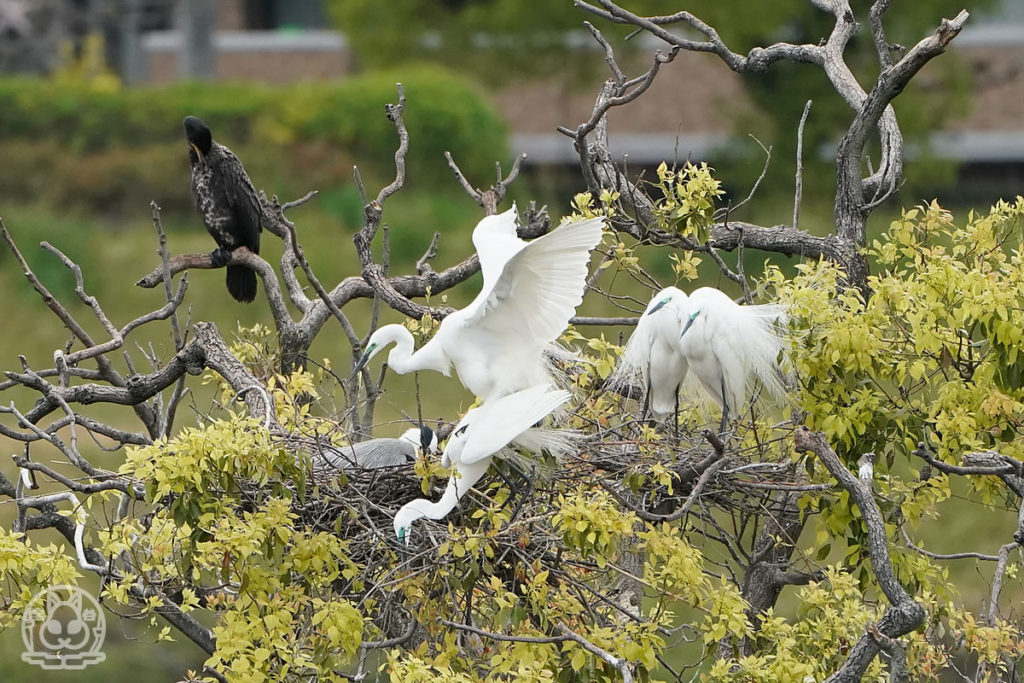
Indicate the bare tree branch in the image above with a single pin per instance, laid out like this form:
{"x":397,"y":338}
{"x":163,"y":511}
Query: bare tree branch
{"x":206,"y":350}
{"x":903,"y":614}
{"x":799,"y":181}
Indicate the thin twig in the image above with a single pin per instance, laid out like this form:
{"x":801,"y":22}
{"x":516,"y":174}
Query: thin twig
{"x":798,"y":191}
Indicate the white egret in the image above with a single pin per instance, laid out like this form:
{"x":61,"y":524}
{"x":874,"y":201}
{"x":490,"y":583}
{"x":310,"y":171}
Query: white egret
{"x":483,"y":433}
{"x":652,"y":353}
{"x":530,"y":291}
{"x":724,"y":345}
{"x":727,"y":345}
{"x":378,"y":453}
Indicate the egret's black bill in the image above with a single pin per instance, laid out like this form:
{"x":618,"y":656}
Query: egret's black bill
{"x":363,"y":360}
{"x":688,"y":323}
{"x":661,"y":304}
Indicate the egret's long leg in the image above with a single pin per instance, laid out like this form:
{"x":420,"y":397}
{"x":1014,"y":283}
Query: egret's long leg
{"x":675,"y":416}
{"x":647,"y":400}
{"x":725,"y":406}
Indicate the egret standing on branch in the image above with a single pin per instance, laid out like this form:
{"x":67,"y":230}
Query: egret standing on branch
{"x":727,"y":345}
{"x":497,"y":343}
{"x":227,"y":203}
{"x":481,"y":434}
{"x":378,"y":453}
{"x":723,"y":344}
{"x":652,"y":355}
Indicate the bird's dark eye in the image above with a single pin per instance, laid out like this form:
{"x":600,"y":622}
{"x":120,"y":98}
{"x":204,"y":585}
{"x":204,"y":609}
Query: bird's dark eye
{"x":461,"y":429}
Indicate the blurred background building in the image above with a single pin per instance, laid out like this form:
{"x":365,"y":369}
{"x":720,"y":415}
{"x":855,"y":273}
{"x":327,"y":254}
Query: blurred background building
{"x":282,"y":41}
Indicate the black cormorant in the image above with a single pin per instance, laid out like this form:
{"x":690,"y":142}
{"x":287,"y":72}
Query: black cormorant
{"x":227,"y":202}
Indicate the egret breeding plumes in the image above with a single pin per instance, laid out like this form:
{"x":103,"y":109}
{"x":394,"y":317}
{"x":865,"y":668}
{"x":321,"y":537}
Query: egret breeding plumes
{"x":652,"y":358}
{"x":483,"y":433}
{"x":723,"y":345}
{"x":378,"y":453}
{"x":530,"y":291}
{"x":727,"y":345}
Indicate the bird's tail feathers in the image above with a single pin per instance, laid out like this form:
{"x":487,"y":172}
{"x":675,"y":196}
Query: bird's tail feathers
{"x":635,"y":361}
{"x":765,"y":333}
{"x":547,"y":449}
{"x":559,"y":365}
{"x":558,"y":442}
{"x":241,"y":283}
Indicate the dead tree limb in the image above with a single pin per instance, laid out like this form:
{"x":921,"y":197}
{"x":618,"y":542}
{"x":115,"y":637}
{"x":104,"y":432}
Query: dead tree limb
{"x":856,"y":197}
{"x":903,"y":613}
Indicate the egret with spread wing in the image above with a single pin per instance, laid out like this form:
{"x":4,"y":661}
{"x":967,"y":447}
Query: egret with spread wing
{"x":378,"y":453}
{"x":497,"y":343}
{"x":483,"y":433}
{"x":724,"y":345}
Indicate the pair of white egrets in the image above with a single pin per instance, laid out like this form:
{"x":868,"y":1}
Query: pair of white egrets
{"x":498,"y":346}
{"x":706,"y":336}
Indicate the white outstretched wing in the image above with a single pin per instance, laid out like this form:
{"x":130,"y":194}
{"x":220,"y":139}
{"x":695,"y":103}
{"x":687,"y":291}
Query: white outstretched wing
{"x":497,"y":423}
{"x":496,"y":241}
{"x":540,"y":287}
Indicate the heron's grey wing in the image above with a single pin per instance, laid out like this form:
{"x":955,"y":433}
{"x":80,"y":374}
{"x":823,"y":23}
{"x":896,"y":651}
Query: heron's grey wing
{"x":377,"y":453}
{"x":333,"y":459}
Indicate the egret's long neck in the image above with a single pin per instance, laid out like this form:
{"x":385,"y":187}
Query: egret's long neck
{"x":442,"y":507}
{"x":402,"y":359}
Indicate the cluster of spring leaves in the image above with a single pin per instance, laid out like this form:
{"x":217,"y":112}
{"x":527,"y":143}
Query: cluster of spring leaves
{"x":933,"y":356}
{"x":933,"y":360}
{"x":687,"y":204}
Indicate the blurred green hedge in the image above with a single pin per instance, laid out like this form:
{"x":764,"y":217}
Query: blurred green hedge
{"x":79,"y":147}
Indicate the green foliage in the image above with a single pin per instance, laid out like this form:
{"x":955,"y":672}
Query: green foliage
{"x":833,"y":615}
{"x":86,"y":146}
{"x":593,"y":524}
{"x":688,"y":200}
{"x":934,"y":355}
{"x":498,"y":40}
{"x":26,"y":568}
{"x":268,"y":577}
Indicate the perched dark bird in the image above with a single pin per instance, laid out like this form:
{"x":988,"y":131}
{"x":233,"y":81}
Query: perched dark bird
{"x":227,"y":202}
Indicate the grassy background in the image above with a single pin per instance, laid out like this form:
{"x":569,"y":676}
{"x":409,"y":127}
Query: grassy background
{"x":92,"y":202}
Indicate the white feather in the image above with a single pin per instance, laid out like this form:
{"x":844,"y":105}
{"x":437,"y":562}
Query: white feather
{"x":651,"y":360}
{"x":531,"y":289}
{"x":706,"y":336}
{"x":481,"y":434}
